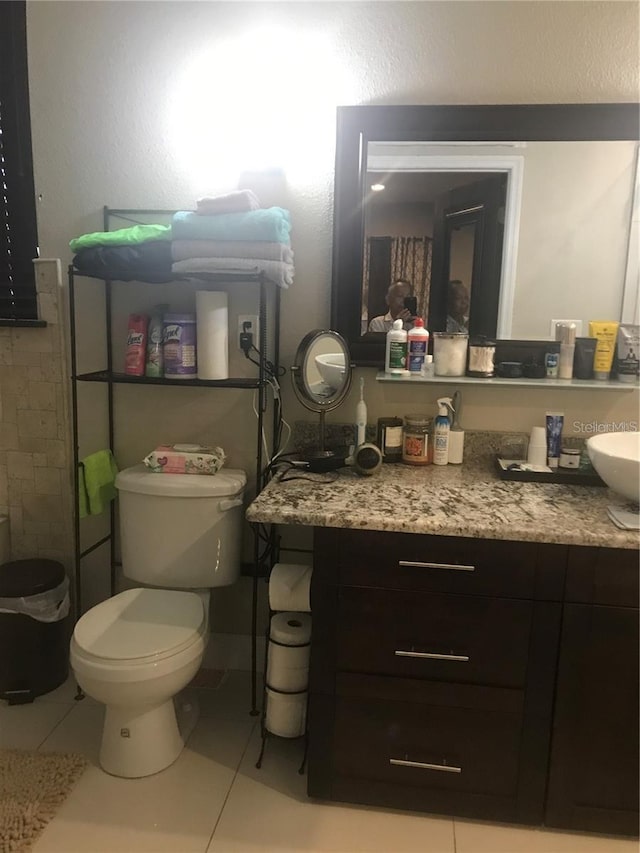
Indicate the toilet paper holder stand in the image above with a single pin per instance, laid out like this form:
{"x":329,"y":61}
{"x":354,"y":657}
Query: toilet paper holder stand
{"x":264,"y":732}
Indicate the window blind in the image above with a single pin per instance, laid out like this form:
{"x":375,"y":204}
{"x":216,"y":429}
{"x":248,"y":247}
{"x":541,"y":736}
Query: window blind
{"x":18,"y":233}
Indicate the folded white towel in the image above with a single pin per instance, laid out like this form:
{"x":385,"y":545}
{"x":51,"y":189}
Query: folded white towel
{"x":233,"y":202}
{"x":278,"y":272}
{"x":182,"y":250}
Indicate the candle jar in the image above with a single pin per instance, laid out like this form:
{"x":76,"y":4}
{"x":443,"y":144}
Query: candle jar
{"x":450,"y":353}
{"x":481,"y":355}
{"x":416,"y":443}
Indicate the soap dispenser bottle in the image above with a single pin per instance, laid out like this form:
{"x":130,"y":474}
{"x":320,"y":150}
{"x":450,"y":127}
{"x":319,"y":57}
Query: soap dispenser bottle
{"x":456,"y":436}
{"x":441,"y":432}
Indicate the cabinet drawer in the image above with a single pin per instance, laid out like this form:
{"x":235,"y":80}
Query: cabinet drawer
{"x":455,"y":749}
{"x":440,"y":563}
{"x":464,"y":639}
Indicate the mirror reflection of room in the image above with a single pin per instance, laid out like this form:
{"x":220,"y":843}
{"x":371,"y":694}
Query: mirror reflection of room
{"x":423,"y":248}
{"x":479,"y":213}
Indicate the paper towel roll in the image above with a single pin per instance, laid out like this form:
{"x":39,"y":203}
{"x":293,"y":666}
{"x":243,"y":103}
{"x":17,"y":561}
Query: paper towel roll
{"x":288,"y":667}
{"x":289,"y":587}
{"x":286,"y":714}
{"x":212,"y":325}
{"x":291,"y":629}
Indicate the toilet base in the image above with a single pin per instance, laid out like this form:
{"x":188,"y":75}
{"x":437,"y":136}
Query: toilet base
{"x":140,"y":741}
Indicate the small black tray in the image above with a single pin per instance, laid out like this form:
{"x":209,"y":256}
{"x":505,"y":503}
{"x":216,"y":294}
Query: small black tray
{"x":563,"y":476}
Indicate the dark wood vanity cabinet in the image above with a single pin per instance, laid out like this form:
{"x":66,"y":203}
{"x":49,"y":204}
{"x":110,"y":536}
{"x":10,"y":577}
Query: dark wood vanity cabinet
{"x":433,"y":672}
{"x":593,"y":778}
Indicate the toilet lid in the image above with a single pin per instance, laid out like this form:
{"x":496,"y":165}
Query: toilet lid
{"x":141,"y":623}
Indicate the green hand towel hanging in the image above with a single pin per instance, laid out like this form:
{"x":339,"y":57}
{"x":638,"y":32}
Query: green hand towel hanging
{"x":98,"y":473}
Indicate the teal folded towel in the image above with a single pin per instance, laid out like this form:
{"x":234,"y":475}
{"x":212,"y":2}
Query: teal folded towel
{"x":272,"y":224}
{"x":97,"y":483}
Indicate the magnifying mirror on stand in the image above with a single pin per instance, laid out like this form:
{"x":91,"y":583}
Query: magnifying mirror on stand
{"x":321,"y":376}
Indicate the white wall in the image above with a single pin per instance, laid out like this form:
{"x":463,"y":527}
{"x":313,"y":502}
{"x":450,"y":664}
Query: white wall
{"x":104,"y":75}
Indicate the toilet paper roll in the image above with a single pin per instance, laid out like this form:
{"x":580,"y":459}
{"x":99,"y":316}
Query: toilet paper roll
{"x":286,"y":714}
{"x":212,"y":327}
{"x":289,"y":587}
{"x":288,"y":667}
{"x":291,"y":629}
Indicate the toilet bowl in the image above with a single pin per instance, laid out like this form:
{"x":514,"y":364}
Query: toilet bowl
{"x":135,"y":652}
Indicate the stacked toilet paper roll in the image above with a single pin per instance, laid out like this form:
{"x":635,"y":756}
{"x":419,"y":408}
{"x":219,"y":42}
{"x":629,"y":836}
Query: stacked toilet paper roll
{"x":288,"y":674}
{"x":289,"y":587}
{"x":212,"y":332}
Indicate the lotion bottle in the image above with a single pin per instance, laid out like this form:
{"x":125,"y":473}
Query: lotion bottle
{"x":441,"y":431}
{"x":361,"y":416}
{"x":396,"y":354}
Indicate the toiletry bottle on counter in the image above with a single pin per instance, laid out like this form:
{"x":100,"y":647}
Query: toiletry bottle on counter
{"x":441,"y":429}
{"x":456,"y":434}
{"x":136,"y":344}
{"x":361,"y":416}
{"x":396,"y":354}
{"x":417,"y":343}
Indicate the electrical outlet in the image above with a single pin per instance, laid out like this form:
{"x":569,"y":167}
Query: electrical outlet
{"x":552,"y":332}
{"x":252,"y":327}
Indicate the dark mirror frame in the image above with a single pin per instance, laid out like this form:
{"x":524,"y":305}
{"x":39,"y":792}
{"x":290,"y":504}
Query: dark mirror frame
{"x":359,"y":125}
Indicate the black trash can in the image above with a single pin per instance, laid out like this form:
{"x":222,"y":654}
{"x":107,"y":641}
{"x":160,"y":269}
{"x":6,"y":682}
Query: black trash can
{"x":34,"y":629}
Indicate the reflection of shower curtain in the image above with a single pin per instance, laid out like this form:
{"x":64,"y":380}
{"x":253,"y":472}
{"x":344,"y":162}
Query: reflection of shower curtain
{"x":400,"y":257}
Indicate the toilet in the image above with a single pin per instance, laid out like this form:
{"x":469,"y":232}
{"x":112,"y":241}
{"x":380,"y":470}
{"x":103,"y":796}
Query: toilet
{"x":181,"y":536}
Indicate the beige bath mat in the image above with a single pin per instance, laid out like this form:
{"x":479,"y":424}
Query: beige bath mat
{"x":33,"y":786}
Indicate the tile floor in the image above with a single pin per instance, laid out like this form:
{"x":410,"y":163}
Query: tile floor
{"x":213,"y":800}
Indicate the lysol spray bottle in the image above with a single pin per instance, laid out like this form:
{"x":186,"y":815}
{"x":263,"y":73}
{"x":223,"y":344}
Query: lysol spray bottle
{"x":441,"y":427}
{"x":417,"y":343}
{"x":396,"y":353}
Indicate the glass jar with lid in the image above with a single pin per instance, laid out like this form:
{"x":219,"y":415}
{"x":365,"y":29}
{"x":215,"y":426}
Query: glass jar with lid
{"x":416,"y":440}
{"x":450,"y":353}
{"x":482,"y":352}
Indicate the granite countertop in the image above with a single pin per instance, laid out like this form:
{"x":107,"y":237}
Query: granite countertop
{"x":468,"y":500}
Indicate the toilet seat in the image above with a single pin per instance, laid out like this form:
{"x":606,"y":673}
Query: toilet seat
{"x":140,"y":627}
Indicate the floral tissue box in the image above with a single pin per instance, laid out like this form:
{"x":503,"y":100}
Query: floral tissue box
{"x":185,"y":459}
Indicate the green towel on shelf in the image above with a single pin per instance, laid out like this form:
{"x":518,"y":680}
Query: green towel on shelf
{"x":123,"y":237}
{"x":97,"y":483}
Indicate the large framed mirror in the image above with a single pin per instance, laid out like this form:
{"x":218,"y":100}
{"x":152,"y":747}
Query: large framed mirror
{"x":495,"y":220}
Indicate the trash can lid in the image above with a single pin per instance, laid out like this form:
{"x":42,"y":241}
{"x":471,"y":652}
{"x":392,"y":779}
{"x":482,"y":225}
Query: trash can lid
{"x":20,"y":578}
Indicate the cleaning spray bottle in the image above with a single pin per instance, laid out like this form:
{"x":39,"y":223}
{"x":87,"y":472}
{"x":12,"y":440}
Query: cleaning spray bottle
{"x":456,"y":436}
{"x":441,"y":429}
{"x":361,"y":416}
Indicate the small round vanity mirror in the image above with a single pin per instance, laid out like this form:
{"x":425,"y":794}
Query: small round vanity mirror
{"x":321,"y":374}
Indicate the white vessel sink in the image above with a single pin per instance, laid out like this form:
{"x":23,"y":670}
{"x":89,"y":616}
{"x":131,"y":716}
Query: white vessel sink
{"x":331,"y":366}
{"x":616,"y":457}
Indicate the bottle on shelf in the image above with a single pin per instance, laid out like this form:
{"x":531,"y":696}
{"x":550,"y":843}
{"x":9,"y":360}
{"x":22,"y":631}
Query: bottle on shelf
{"x":396,"y":352}
{"x":417,"y":343}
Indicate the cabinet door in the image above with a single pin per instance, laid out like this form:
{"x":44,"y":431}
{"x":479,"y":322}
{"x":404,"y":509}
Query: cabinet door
{"x":593,"y":782}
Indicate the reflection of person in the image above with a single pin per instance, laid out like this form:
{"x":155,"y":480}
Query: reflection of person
{"x":395,"y":300}
{"x":457,"y":307}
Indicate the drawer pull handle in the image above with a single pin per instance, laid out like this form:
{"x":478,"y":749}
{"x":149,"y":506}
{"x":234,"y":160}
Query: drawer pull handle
{"x":431,"y":655}
{"x":450,"y":566}
{"x":445,"y":768}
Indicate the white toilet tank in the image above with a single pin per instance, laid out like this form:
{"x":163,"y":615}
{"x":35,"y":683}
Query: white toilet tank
{"x":181,"y":531}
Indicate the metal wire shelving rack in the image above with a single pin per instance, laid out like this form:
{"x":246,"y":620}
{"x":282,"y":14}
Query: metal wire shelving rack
{"x":269,"y":354}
